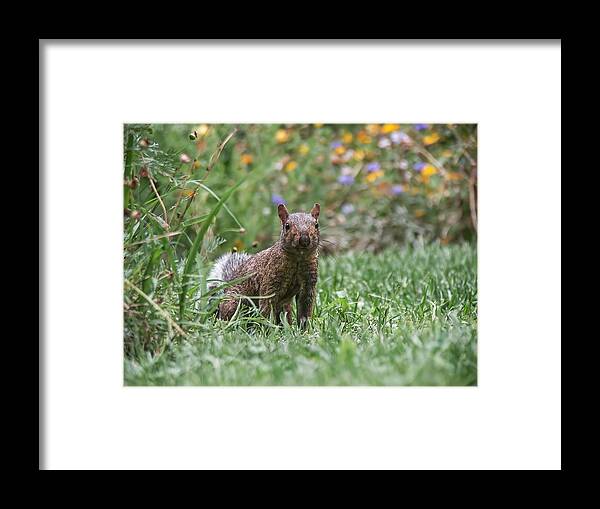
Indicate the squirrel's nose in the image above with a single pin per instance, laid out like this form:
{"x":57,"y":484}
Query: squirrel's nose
{"x":304,"y":240}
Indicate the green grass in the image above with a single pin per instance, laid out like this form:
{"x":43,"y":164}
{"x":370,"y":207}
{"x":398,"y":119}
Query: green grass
{"x":404,"y":317}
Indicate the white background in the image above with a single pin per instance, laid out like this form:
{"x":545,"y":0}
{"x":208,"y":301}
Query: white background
{"x":511,"y":420}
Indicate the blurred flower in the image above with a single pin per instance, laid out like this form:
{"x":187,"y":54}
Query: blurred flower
{"x":400,"y":137}
{"x":278,"y":165}
{"x":419,"y":166}
{"x":346,"y":170}
{"x":363,"y":137}
{"x":420,"y":127}
{"x":336,"y":144}
{"x":247,"y":159}
{"x":318,"y":125}
{"x":403,"y":164}
{"x":201,"y":130}
{"x":389,"y":128}
{"x":375,"y":166}
{"x":419,"y":213}
{"x":384,"y":143}
{"x":277,"y":199}
{"x":453,"y":175}
{"x":447,"y":153}
{"x":347,"y":208}
{"x":282,"y":136}
{"x":347,"y":138}
{"x":340,"y":150}
{"x":303,"y":149}
{"x":291,"y":166}
{"x":346,"y":180}
{"x":196,"y":164}
{"x":359,"y":155}
{"x":373,"y":129}
{"x":348,"y":155}
{"x":431,"y":139}
{"x":238,"y":244}
{"x":429,"y":170}
{"x":372,"y":177}
{"x":397,"y":189}
{"x":184,"y":158}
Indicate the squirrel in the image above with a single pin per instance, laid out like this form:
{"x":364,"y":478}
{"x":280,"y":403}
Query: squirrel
{"x":276,"y":275}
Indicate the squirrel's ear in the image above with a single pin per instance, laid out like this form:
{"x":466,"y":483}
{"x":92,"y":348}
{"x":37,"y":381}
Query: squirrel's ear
{"x":283,"y":212}
{"x":316,"y":210}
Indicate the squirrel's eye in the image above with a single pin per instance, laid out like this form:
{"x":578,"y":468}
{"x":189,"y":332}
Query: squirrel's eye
{"x":287,"y":226}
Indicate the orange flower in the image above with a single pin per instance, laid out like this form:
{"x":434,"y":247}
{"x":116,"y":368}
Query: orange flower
{"x":247,"y":159}
{"x":363,"y":137}
{"x":340,"y":150}
{"x":347,"y":138}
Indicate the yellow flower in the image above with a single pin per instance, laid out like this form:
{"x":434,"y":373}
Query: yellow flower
{"x":282,"y":136}
{"x":359,"y":155}
{"x":389,"y":128}
{"x":372,"y":177}
{"x":447,"y":153}
{"x":318,"y":125}
{"x":347,"y":138}
{"x":373,"y":129}
{"x":247,"y":159}
{"x":430,"y":139}
{"x":291,"y":166}
{"x":428,"y":171}
{"x":453,"y":175}
{"x":340,"y":150}
{"x":196,"y":164}
{"x":303,"y":149}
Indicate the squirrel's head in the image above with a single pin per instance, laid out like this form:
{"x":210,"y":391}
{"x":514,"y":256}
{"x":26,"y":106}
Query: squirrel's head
{"x":299,"y":231}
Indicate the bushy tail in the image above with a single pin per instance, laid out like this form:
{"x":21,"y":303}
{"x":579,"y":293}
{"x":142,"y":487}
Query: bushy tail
{"x":226,"y":268}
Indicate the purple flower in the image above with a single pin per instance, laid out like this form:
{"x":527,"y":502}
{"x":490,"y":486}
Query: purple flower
{"x":420,"y":127}
{"x":399,"y":137}
{"x":419,"y":166}
{"x":345,"y":180}
{"x":371,"y":167}
{"x":277,"y":199}
{"x":347,"y":208}
{"x":397,"y":189}
{"x":336,"y":144}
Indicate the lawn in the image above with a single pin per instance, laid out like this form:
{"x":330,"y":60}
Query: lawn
{"x":399,"y":317}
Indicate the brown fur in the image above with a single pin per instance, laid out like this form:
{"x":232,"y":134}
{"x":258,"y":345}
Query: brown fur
{"x":285,"y":271}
